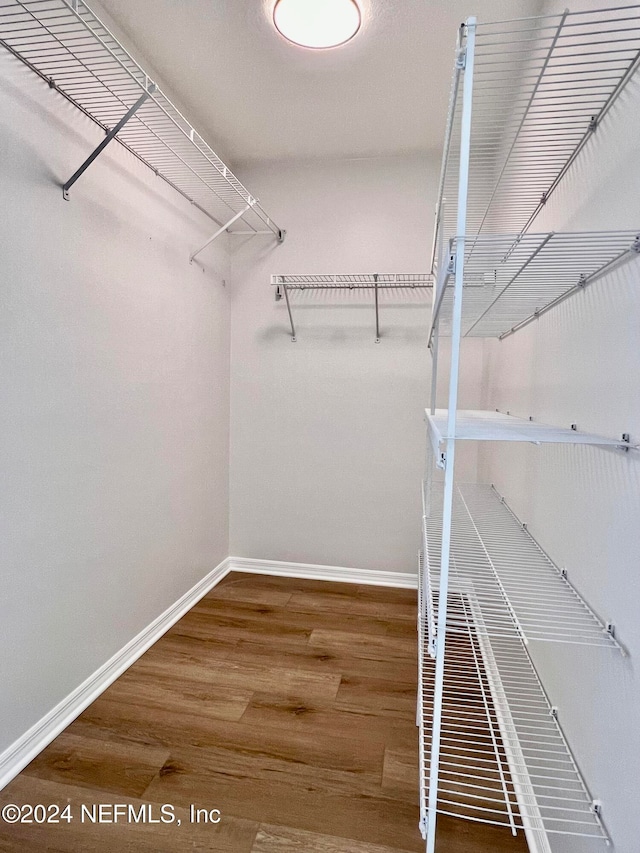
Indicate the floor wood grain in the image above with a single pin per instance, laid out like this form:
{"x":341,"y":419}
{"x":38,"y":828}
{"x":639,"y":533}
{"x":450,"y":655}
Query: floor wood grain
{"x":289,"y":705}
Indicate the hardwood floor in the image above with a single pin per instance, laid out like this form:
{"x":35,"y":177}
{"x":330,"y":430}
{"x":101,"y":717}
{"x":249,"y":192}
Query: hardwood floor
{"x":287,"y":705}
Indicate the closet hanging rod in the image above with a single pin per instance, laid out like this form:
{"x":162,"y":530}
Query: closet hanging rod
{"x":67,"y":45}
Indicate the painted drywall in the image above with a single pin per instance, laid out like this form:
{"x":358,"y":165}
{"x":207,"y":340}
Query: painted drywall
{"x":327,"y":434}
{"x":114,"y":371}
{"x":580,"y":363}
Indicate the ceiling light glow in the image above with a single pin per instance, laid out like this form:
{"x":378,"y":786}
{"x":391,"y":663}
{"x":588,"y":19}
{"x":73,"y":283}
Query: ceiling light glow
{"x":317,"y":23}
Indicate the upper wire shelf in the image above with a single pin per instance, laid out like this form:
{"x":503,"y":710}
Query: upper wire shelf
{"x":511,"y":279}
{"x":66,"y":44}
{"x":541,"y":87}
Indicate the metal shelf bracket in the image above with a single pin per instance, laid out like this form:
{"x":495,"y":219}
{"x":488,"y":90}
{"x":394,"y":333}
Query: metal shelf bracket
{"x":223,"y":228}
{"x":110,"y":135}
{"x":375,"y":280}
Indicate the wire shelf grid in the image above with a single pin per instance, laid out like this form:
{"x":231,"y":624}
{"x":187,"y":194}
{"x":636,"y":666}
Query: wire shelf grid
{"x":496,"y":561}
{"x":353,"y":288}
{"x":503,"y":757}
{"x":541,"y":87}
{"x":477,"y":425}
{"x":354,"y":281}
{"x":511,"y":279}
{"x":66,"y":44}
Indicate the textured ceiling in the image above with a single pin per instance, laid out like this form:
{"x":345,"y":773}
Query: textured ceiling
{"x":254,"y":96}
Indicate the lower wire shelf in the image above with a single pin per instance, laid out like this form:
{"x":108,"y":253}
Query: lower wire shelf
{"x":504,"y":759}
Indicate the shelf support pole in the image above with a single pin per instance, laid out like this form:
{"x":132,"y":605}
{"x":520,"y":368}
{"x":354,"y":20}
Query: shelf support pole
{"x":434,"y":337}
{"x":463,"y":185}
{"x":286,"y":296}
{"x":434,"y":369}
{"x":375,"y":286}
{"x":222,"y":229}
{"x":112,"y":133}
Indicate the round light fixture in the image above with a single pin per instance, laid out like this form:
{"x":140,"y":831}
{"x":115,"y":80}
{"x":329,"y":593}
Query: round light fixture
{"x":317,"y":23}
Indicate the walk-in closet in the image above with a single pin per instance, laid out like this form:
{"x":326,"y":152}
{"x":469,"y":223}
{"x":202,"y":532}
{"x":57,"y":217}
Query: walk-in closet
{"x":321,"y":426}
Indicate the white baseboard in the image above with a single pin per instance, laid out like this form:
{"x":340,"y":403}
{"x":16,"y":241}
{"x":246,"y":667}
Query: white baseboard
{"x":33,"y":741}
{"x":406,"y":580}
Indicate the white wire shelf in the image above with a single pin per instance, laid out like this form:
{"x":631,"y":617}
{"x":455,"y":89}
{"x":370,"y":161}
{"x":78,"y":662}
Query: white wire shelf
{"x":511,"y":279}
{"x":65,"y":43}
{"x":495,"y":560}
{"x":476,"y":425}
{"x":357,"y":281}
{"x":402,"y":284}
{"x":541,"y":87}
{"x":503,"y":757}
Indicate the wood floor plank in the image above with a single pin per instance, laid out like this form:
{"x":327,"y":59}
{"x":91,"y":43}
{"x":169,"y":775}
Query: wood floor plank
{"x":387,"y":658}
{"x":268,"y":709}
{"x":121,"y":723}
{"x":341,"y":601}
{"x":253,"y":580}
{"x":377,"y":697}
{"x":283,"y":839}
{"x":182,"y":652}
{"x":257,"y":616}
{"x":182,"y":693}
{"x":400,"y":770}
{"x":372,"y":648}
{"x":246,"y":589}
{"x":293,"y":683}
{"x":317,"y":659}
{"x":388,"y":594}
{"x":93,"y":763}
{"x":203,"y":623}
{"x":221,"y":764}
{"x":379,"y":820}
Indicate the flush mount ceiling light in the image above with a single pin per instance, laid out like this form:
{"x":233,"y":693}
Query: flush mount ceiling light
{"x":317,"y":23}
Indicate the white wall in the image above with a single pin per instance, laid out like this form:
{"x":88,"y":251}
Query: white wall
{"x":327,"y":434}
{"x":580,"y":363}
{"x":114,"y":371}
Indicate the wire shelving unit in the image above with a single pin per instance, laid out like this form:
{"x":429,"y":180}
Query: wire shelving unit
{"x":526,"y":97}
{"x":512,"y":279}
{"x":478,"y":425}
{"x":503,"y":757}
{"x":514,"y":583}
{"x":67,"y":45}
{"x":540,"y":88}
{"x":402,"y":284}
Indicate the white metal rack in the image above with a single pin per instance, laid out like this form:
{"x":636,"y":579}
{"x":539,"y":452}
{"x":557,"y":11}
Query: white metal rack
{"x":66,"y":44}
{"x":503,"y":758}
{"x":400,"y":283}
{"x":473,"y":425}
{"x":540,"y":88}
{"x":511,"y":279}
{"x":515,"y":585}
{"x":526,"y":97}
